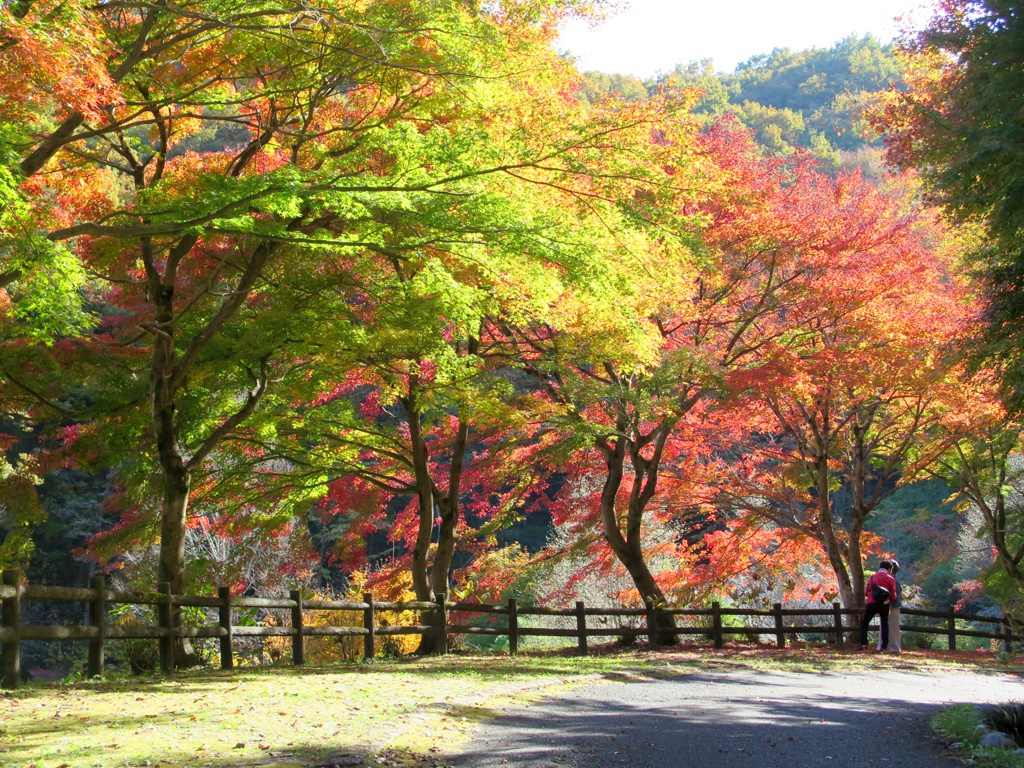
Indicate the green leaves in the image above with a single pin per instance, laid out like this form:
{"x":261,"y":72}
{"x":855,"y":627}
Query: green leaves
{"x":44,"y":278}
{"x":20,"y":512}
{"x":960,"y":125}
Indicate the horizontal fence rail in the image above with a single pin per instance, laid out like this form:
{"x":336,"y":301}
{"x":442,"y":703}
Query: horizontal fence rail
{"x":718,"y":622}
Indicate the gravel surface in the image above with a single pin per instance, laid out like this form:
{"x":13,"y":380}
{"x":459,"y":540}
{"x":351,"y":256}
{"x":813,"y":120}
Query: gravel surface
{"x":740,"y":718}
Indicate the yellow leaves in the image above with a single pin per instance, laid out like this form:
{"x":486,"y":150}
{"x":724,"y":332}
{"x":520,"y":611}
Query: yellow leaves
{"x":603,"y":328}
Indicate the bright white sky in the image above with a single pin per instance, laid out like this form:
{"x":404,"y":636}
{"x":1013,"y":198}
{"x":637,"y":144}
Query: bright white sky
{"x":651,"y":36}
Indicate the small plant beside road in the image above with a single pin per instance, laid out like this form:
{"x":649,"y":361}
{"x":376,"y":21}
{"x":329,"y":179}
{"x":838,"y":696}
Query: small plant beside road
{"x":964,"y":727}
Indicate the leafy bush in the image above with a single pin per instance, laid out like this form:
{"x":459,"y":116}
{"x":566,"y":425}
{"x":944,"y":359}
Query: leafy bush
{"x":139,"y":654}
{"x":327,"y":650}
{"x":922,"y":640}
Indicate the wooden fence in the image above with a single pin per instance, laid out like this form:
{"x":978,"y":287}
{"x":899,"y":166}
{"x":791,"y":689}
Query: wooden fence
{"x":715,"y":622}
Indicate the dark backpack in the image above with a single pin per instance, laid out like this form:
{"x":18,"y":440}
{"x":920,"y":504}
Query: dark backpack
{"x":879,"y":594}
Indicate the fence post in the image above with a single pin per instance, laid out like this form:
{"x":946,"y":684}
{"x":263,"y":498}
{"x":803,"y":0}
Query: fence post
{"x":513,"y":626}
{"x":97,"y":612}
{"x":441,"y":623}
{"x":164,"y":611}
{"x":227,"y":657}
{"x":716,"y":624}
{"x":837,"y":619}
{"x":12,"y":621}
{"x":581,"y":628}
{"x":951,"y":629}
{"x":369,"y":639}
{"x":1007,"y":634}
{"x":780,"y":636}
{"x":298,"y":639}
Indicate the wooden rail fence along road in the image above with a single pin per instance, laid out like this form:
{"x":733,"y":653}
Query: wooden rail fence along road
{"x":715,"y":622}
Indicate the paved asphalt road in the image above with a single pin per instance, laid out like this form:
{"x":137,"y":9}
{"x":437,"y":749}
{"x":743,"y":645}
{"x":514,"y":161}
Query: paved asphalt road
{"x":739,"y":718}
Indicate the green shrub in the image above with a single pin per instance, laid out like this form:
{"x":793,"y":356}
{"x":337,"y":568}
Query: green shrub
{"x":959,"y":723}
{"x":922,"y":640}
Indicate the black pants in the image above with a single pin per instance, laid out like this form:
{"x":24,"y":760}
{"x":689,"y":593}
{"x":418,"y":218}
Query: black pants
{"x":870,"y":611}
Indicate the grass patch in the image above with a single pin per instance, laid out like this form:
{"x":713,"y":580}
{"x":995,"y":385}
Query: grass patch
{"x":403,"y":713}
{"x":395,"y":713}
{"x":958,"y":726}
{"x":958,"y":723}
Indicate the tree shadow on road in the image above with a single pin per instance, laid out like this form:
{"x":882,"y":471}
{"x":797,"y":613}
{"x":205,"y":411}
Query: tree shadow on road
{"x":779,"y":722}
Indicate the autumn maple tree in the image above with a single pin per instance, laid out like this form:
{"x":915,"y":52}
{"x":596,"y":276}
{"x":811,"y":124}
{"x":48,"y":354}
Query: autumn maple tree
{"x":420,"y":423}
{"x":40,"y":280}
{"x":856,"y":391}
{"x":633,"y":394}
{"x":212,"y":160}
{"x":984,"y":466}
{"x":445,"y":422}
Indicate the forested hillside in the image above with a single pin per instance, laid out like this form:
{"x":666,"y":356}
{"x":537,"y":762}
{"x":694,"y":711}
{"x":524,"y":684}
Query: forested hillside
{"x":812,"y":99}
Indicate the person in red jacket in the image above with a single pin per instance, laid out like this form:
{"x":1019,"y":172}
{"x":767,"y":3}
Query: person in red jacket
{"x":880,"y":591}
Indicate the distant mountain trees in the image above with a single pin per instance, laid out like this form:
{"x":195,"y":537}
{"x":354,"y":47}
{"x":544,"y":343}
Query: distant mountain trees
{"x":812,"y":98}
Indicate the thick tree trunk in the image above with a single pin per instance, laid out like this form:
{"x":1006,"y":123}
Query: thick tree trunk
{"x":859,"y":476}
{"x":819,"y":448}
{"x":450,"y":506}
{"x":177,"y":479}
{"x":171,"y":567}
{"x":833,"y":548}
{"x":425,"y":495}
{"x":846,"y":558}
{"x":628,"y":549}
{"x":829,"y":539}
{"x":855,"y":564}
{"x":632,"y":560}
{"x":645,"y":486}
{"x":172,"y":464}
{"x":172,"y":528}
{"x":444,"y":553}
